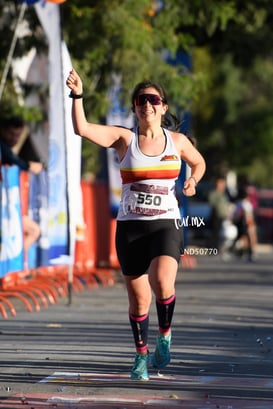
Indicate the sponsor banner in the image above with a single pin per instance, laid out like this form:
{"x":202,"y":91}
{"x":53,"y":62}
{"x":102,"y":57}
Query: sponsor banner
{"x":38,"y":211}
{"x":49,"y":17}
{"x":11,"y":254}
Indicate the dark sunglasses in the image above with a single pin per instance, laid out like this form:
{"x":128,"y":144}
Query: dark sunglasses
{"x":152,"y":98}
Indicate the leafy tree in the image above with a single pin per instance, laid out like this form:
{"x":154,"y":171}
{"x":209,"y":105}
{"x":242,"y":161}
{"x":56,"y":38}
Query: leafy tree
{"x":232,"y":118}
{"x":29,"y":35}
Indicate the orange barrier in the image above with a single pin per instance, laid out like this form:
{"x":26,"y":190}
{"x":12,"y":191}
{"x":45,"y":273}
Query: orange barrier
{"x":101,"y":227}
{"x":85,"y":251}
{"x":105,"y":229}
{"x":24,"y":189}
{"x":9,"y":288}
{"x":9,"y":304}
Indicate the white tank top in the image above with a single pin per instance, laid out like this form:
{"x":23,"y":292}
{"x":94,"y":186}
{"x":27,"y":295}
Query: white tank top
{"x":148,"y":182}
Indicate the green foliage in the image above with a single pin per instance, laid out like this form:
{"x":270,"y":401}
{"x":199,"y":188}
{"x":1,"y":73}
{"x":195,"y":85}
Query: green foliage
{"x":260,"y":173}
{"x":29,"y":114}
{"x":239,"y":128}
{"x":232,"y":118}
{"x":11,"y":101}
{"x":127,"y":39}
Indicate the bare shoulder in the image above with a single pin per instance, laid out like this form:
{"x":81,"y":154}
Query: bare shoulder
{"x":181,"y":141}
{"x":122,"y":140}
{"x":123,"y":131}
{"x":122,"y":134}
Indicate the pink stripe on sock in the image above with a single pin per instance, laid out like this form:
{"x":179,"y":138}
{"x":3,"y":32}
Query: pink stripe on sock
{"x":167,"y":300}
{"x":141,"y":350}
{"x":138,"y":318}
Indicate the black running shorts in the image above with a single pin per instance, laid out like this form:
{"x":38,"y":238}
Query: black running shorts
{"x":138,"y":242}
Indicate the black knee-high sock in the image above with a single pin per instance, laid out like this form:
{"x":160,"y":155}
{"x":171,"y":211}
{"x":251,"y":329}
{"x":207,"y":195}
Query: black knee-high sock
{"x":140,"y":326}
{"x":165,"y":310}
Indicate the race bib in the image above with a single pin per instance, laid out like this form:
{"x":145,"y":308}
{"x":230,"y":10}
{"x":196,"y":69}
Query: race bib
{"x":148,"y":200}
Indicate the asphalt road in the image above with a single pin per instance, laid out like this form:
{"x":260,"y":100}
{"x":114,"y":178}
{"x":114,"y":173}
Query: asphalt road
{"x":80,"y":355}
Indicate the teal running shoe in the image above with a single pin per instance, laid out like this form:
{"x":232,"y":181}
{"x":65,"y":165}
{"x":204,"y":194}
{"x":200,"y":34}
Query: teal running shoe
{"x":162,"y":356}
{"x":140,"y":368}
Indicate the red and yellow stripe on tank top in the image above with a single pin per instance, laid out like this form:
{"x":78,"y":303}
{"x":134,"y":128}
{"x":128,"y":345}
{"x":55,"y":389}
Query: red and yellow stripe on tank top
{"x":169,"y":170}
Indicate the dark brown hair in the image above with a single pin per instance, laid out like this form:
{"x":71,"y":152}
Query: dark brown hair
{"x":12,"y":122}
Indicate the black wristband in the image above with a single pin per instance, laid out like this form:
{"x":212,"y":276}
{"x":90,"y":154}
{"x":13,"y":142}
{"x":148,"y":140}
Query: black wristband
{"x":75,"y":96}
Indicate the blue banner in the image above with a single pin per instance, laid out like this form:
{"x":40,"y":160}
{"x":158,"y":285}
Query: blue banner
{"x":11,"y":254}
{"x":29,"y":2}
{"x":38,"y":254}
